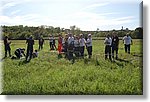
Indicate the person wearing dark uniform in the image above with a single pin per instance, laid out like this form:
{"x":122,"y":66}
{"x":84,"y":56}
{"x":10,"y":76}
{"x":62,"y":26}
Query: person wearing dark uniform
{"x":115,"y":45}
{"x":19,"y":52}
{"x":41,"y":42}
{"x":30,"y":43}
{"x":7,"y":46}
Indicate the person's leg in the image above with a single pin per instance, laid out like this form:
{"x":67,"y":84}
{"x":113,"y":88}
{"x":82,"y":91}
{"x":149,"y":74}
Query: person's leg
{"x":129,"y":49}
{"x":50,"y":45}
{"x":116,"y":52}
{"x":109,"y":51}
{"x":106,"y":50}
{"x":113,"y":49}
{"x":83,"y":51}
{"x":31,"y":53}
{"x":27,"y":55}
{"x":9,"y":50}
{"x":125,"y":48}
{"x":90,"y":51}
{"x":41,"y":46}
{"x":5,"y":51}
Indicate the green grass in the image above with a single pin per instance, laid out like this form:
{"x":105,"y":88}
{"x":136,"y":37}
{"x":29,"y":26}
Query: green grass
{"x":49,"y":75}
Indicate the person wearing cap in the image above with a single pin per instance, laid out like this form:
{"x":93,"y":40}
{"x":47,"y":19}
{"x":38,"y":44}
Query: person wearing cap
{"x":7,"y":46}
{"x":89,"y":45}
{"x":30,"y":43}
{"x":41,"y":42}
{"x":108,"y":42}
{"x":127,"y":42}
{"x":82,"y":45}
{"x":115,"y":45}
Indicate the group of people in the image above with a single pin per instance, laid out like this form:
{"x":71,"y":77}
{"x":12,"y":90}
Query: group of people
{"x":112,"y":45}
{"x":71,"y":45}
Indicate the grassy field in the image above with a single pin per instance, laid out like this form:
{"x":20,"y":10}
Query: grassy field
{"x":49,"y":75}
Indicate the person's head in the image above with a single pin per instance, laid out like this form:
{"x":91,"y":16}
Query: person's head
{"x":89,"y":35}
{"x":108,"y":36}
{"x":30,"y":37}
{"x":127,"y":34}
{"x":50,"y":35}
{"x":6,"y":37}
{"x":81,"y":35}
{"x":41,"y":36}
{"x":59,"y":35}
{"x":113,"y":34}
{"x":66,"y":35}
{"x":70,"y":35}
{"x":36,"y":51}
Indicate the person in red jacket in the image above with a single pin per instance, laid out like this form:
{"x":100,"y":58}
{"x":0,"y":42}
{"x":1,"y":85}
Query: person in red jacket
{"x":60,"y":44}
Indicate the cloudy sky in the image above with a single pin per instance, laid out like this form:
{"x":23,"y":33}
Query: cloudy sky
{"x":85,"y":14}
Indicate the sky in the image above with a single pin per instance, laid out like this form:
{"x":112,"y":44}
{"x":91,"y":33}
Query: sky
{"x":87,"y":15}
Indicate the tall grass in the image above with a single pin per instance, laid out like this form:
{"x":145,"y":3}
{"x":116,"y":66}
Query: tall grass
{"x":47,"y":74}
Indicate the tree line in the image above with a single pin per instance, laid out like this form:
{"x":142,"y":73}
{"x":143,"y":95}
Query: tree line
{"x":22,"y":32}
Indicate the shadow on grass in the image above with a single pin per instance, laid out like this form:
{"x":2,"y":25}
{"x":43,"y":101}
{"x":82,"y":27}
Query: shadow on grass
{"x":2,"y":59}
{"x":23,"y":62}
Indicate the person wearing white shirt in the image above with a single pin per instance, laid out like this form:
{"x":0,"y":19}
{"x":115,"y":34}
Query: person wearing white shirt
{"x":51,"y":41}
{"x":127,"y":42}
{"x":76,"y":46}
{"x":89,"y":45}
{"x":108,"y":42}
{"x":70,"y":46}
{"x":82,"y":45}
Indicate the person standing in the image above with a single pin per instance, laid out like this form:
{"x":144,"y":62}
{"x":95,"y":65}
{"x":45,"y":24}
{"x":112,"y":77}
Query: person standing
{"x":127,"y":42}
{"x":51,"y":42}
{"x":60,"y":44}
{"x":108,"y":42}
{"x":41,"y":42}
{"x":115,"y":45}
{"x":65,"y":45}
{"x":89,"y":45}
{"x":76,"y":46}
{"x":30,"y":43}
{"x":7,"y":46}
{"x":70,"y":46}
{"x":82,"y":45}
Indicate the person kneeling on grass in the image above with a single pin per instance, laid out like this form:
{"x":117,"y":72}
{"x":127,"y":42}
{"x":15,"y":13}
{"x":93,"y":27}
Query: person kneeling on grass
{"x":35,"y":54}
{"x":19,"y":52}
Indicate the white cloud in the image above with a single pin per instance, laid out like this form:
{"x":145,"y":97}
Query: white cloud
{"x":95,"y":5}
{"x":10,"y":3}
{"x":15,"y":12}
